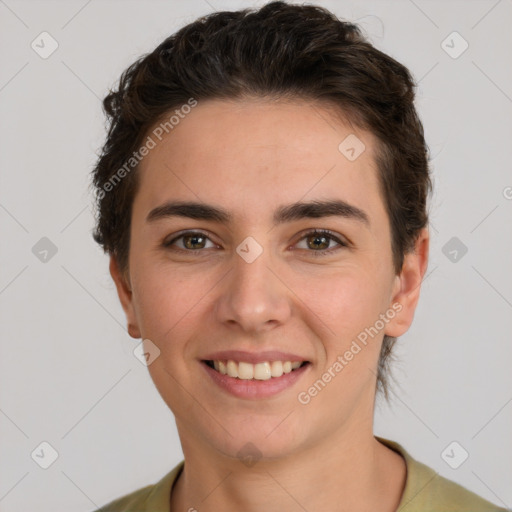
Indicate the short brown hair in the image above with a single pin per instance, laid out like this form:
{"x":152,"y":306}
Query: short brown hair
{"x":279,"y":51}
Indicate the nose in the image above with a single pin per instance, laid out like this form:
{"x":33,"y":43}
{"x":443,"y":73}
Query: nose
{"x":253,"y":297}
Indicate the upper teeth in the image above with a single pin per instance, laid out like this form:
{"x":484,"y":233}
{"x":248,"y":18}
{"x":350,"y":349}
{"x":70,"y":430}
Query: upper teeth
{"x":259,"y":371}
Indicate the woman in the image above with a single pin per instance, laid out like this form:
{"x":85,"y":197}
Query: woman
{"x":262,"y":196}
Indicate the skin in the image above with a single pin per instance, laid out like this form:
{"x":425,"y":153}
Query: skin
{"x":250,"y":157}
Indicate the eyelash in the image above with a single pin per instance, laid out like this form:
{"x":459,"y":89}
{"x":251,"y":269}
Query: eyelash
{"x":315,"y":232}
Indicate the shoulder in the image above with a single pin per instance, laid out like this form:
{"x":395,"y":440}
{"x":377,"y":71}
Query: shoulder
{"x":444,"y":494}
{"x":135,"y":501}
{"x":427,"y":491}
{"x":433,"y":492}
{"x":151,"y":498}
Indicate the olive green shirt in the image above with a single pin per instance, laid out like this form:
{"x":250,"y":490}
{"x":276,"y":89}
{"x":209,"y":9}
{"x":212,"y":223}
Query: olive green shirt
{"x":425,"y":491}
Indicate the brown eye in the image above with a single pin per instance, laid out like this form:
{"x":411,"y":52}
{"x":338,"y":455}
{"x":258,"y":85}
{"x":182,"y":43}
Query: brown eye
{"x":190,"y":241}
{"x":320,"y":240}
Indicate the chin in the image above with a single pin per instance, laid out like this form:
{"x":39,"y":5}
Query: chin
{"x":259,"y":441}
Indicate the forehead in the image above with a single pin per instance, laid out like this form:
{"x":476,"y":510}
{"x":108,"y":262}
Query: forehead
{"x":254,"y":154}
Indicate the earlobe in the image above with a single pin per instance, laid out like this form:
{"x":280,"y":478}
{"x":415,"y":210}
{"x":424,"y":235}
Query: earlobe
{"x":125,"y":296}
{"x":408,"y":285}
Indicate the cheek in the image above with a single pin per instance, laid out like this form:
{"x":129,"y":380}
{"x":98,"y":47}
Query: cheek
{"x":167,"y":301}
{"x":346,"y":302}
{"x":350,"y":306}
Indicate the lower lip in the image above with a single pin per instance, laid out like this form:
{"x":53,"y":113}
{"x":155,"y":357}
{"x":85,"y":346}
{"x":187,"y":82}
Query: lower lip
{"x":255,"y":389}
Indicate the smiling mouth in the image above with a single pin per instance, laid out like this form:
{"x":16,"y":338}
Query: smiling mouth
{"x":260,"y":371}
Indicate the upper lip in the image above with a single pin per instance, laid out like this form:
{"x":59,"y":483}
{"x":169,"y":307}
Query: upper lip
{"x":253,"y":357}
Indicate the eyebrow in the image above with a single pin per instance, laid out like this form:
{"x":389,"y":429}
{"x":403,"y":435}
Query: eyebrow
{"x":287,"y":213}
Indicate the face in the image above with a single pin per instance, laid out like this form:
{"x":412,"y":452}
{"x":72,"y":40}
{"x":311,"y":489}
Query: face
{"x":253,"y":278}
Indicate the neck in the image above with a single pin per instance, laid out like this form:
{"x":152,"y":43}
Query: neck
{"x":350,"y":471}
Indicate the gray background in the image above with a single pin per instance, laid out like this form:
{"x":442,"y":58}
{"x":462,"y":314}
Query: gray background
{"x":68,"y":373}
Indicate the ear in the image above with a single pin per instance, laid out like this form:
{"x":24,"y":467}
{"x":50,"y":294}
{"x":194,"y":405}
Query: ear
{"x":406,"y":289}
{"x":125,"y":296}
